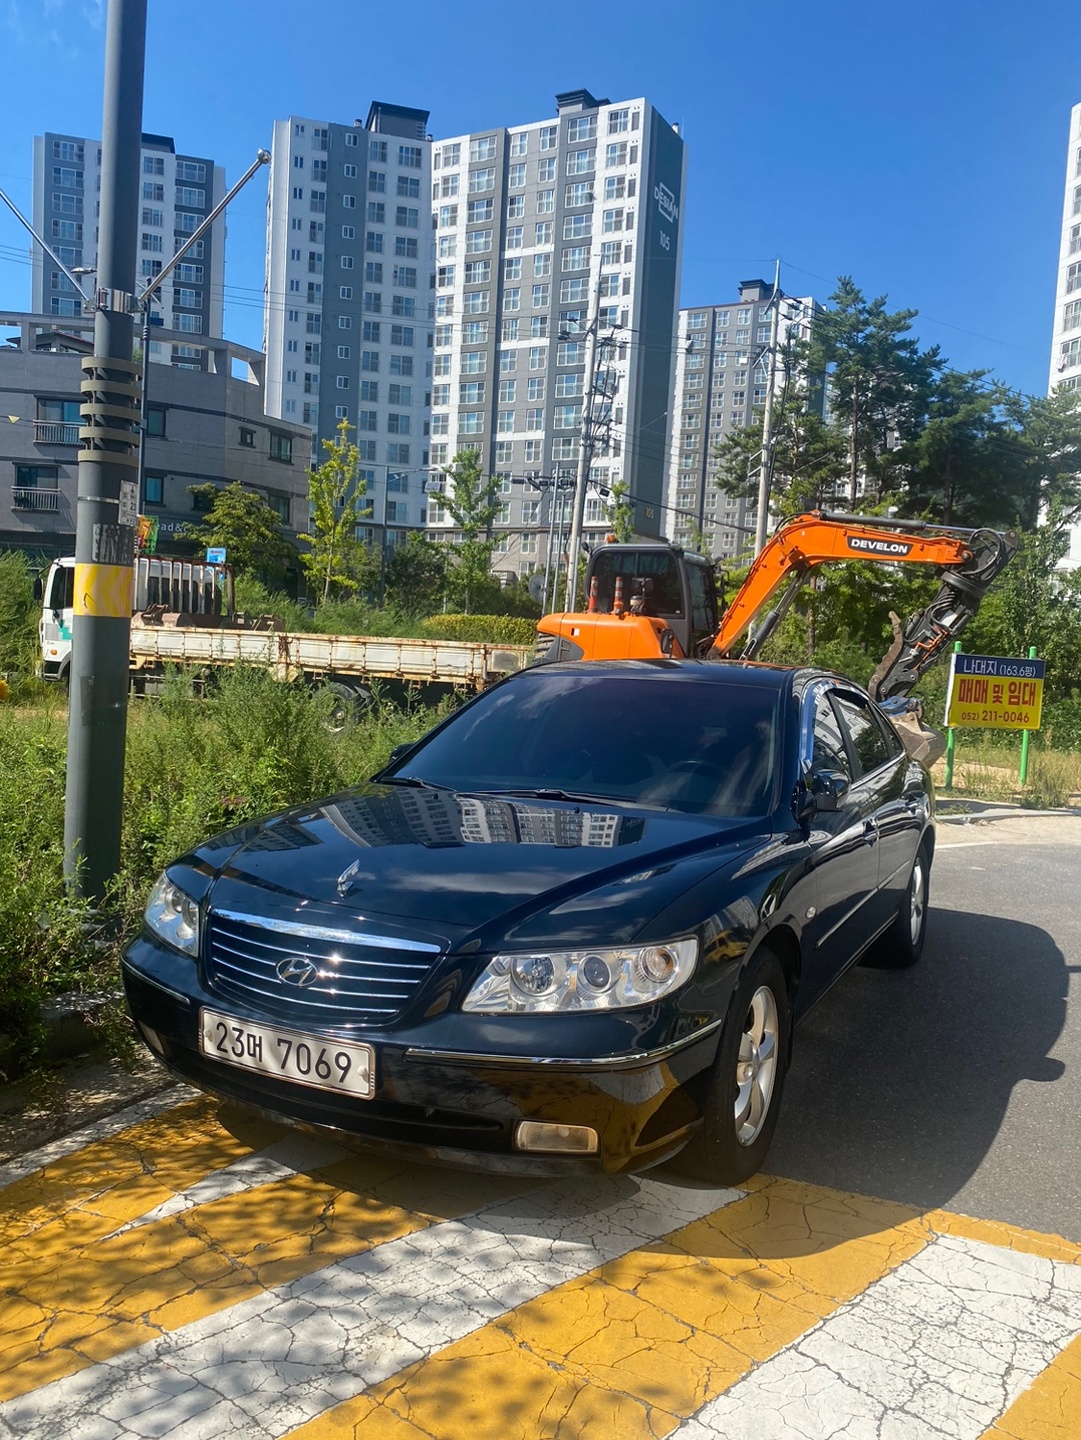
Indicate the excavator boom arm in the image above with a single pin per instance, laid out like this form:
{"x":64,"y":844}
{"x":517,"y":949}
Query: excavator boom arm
{"x":816,"y":539}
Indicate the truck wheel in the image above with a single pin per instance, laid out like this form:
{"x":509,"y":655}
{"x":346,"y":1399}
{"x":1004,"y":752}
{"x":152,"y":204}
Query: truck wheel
{"x":344,"y":703}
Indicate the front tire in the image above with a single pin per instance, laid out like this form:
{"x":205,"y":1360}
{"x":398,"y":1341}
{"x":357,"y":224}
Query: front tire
{"x":744,"y":1097}
{"x":902,"y":944}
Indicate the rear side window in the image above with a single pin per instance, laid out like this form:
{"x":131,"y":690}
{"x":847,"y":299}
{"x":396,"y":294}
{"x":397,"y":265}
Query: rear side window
{"x":868,"y":742}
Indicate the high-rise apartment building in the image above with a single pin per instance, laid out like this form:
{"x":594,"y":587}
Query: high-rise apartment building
{"x":1066,"y":331}
{"x":542,"y":230}
{"x":347,"y":321}
{"x":176,"y":193}
{"x":722,"y":369}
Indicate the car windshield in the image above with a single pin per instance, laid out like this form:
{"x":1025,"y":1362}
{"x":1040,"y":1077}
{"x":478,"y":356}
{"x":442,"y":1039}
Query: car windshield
{"x":702,"y":748}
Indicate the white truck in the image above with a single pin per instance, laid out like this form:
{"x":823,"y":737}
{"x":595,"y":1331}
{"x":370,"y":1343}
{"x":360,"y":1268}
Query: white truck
{"x":183,"y":617}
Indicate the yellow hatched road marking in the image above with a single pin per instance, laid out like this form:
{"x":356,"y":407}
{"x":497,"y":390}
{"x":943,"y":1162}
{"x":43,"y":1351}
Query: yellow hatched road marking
{"x":1050,"y":1409}
{"x":641,"y":1343}
{"x":110,"y":1181}
{"x":75,"y":1293}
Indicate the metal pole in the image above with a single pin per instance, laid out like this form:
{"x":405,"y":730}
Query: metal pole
{"x":108,"y":470}
{"x":585,"y":456}
{"x":951,"y":732}
{"x":44,"y":245}
{"x":761,"y":528}
{"x":548,"y":553}
{"x":1025,"y":734}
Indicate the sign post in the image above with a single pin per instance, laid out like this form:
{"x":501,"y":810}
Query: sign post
{"x":951,"y":734}
{"x":1025,"y":733}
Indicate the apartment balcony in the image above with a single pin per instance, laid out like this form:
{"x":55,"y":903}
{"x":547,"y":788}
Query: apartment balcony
{"x":30,"y":497}
{"x":55,"y":432}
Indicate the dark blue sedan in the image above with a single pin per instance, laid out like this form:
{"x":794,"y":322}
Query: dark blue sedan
{"x":573,"y":926}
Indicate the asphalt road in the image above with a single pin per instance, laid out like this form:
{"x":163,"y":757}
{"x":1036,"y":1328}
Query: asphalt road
{"x":958,"y":1084}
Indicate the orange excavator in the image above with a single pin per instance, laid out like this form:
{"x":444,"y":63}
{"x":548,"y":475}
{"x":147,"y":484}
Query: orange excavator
{"x":654,"y":600}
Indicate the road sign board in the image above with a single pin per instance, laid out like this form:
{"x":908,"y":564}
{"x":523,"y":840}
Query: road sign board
{"x":995,"y":692}
{"x":215,"y":554}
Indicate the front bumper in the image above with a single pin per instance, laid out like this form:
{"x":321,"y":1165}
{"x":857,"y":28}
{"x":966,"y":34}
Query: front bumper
{"x":445,"y":1105}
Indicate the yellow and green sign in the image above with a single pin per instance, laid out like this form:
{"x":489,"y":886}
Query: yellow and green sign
{"x":995,"y":692}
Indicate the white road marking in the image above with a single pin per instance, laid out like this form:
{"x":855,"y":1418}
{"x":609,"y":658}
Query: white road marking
{"x":938,"y":1348}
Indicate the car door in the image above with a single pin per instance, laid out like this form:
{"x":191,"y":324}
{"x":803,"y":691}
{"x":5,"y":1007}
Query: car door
{"x":881,"y":772}
{"x":843,"y":845}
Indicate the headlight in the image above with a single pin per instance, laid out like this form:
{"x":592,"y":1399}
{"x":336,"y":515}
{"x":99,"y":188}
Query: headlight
{"x":174,"y":916}
{"x":593,"y":979}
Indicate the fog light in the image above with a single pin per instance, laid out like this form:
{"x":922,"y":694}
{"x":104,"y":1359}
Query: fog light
{"x":152,"y":1039}
{"x":556,"y":1139}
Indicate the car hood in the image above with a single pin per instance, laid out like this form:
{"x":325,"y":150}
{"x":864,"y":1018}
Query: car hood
{"x":448,"y":867}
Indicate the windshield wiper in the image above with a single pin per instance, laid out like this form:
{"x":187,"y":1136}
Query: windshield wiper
{"x":413,"y":781}
{"x":547,"y":793}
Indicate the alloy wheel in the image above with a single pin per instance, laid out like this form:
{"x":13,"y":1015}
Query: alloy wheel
{"x":756,"y":1067}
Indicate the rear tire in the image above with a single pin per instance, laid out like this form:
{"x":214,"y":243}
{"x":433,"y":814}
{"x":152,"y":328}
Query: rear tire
{"x":345,"y":704}
{"x":902,"y":944}
{"x":744,"y":1097}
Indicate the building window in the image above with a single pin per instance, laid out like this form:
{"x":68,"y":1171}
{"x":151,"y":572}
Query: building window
{"x":582,"y":127}
{"x":479,"y":211}
{"x":478,"y":241}
{"x":281,"y":447}
{"x":618,"y":121}
{"x":482,"y":149}
{"x":154,"y":489}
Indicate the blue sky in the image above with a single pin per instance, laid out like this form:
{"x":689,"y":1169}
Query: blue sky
{"x":919,"y":147}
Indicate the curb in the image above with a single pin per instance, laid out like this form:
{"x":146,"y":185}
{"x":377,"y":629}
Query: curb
{"x":978,"y":811}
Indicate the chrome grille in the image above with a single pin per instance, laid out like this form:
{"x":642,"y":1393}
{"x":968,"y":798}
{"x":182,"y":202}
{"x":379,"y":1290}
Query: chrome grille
{"x":361,"y":979}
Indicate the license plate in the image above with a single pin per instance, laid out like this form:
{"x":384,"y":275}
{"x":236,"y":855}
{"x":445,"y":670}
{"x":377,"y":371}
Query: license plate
{"x":289,"y":1055}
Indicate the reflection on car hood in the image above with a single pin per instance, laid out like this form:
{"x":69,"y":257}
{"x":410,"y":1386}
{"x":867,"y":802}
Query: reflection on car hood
{"x":447,"y":864}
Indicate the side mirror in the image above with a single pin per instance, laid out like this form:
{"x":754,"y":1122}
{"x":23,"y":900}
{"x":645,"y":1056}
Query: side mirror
{"x":828,"y":789}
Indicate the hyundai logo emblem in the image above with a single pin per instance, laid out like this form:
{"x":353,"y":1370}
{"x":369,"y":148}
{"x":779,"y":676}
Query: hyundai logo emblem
{"x":297,"y":970}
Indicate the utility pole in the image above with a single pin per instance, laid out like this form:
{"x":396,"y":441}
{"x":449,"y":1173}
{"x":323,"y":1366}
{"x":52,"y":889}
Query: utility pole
{"x":152,"y":286}
{"x":108,"y":485}
{"x":585,"y":455}
{"x":766,"y":462}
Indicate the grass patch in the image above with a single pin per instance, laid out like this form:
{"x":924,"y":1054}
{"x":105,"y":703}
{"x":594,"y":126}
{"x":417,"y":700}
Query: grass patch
{"x":989,"y":771}
{"x":194,"y":767}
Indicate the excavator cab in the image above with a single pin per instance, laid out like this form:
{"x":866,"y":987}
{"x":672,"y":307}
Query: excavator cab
{"x":663,"y":581}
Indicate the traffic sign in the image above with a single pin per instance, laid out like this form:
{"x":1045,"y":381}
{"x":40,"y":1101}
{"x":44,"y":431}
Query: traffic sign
{"x":995,"y":692}
{"x":215,"y":554}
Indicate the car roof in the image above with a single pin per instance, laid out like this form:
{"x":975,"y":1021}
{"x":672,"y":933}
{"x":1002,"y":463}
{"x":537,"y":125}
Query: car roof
{"x":751,"y":673}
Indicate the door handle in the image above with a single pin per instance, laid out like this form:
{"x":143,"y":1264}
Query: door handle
{"x":914,"y":804}
{"x":870,"y":832}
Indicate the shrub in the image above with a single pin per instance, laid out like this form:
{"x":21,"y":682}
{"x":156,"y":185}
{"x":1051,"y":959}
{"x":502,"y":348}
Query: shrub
{"x":486,"y":629}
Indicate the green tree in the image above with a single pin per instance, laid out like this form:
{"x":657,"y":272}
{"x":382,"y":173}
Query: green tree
{"x":416,"y":575}
{"x":243,"y":522}
{"x":336,"y":563}
{"x":1046,"y":434}
{"x":808,"y":462}
{"x":1033,"y":603}
{"x":964,"y":462}
{"x":473,"y":502}
{"x":619,"y":512}
{"x":880,"y":383}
